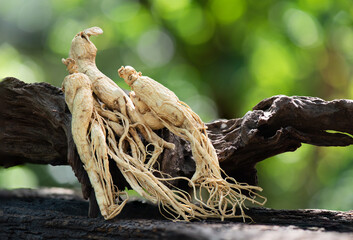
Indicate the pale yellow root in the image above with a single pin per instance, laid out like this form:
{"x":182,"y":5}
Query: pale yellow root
{"x":182,"y":121}
{"x":106,"y":125}
{"x":78,"y":96}
{"x":109,"y":126}
{"x":91,"y":133}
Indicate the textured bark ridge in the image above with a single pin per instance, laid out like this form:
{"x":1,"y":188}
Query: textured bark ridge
{"x":55,"y":214}
{"x":35,"y":128}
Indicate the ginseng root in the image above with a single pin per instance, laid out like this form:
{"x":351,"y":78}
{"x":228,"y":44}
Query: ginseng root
{"x":107,"y":127}
{"x":110,"y":127}
{"x":224,"y":193}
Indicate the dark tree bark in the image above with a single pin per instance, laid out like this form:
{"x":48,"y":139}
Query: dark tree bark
{"x":35,"y":128}
{"x":47,"y":214}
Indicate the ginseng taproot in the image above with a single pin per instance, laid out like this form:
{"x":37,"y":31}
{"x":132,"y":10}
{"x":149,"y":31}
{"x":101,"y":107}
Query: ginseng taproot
{"x":109,"y":126}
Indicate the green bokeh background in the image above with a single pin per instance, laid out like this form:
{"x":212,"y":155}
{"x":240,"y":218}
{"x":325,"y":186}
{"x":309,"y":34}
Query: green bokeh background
{"x":219,"y":56}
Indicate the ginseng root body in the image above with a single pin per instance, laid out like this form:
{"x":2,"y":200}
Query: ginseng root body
{"x":110,"y":127}
{"x":178,"y":117}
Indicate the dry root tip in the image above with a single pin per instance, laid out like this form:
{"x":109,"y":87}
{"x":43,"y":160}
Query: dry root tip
{"x":129,"y":74}
{"x":70,"y":65}
{"x":93,"y":31}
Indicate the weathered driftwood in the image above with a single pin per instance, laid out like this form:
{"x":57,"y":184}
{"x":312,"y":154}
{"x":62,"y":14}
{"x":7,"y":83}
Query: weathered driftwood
{"x":35,"y":128}
{"x":44,"y":214}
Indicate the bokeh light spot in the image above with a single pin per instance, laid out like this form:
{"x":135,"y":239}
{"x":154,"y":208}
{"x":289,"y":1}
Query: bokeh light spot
{"x":227,"y":11}
{"x":120,"y":10}
{"x":316,"y":5}
{"x":195,"y":26}
{"x":181,"y":79}
{"x":17,"y":177}
{"x":203,"y":106}
{"x":130,"y":31}
{"x":61,"y":35}
{"x":343,"y":40}
{"x":12,"y":64}
{"x":302,"y":28}
{"x":155,"y":48}
{"x":170,"y":9}
{"x":62,"y":174}
{"x":272,"y":66}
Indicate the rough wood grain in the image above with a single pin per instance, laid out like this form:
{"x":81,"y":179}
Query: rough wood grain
{"x":52,"y":213}
{"x":35,"y":127}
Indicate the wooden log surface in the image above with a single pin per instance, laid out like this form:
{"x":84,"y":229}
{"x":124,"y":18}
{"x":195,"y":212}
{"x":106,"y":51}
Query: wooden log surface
{"x":35,"y":128}
{"x":59,"y":214}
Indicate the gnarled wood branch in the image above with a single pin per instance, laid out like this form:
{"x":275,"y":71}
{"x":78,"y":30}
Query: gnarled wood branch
{"x":35,"y":128}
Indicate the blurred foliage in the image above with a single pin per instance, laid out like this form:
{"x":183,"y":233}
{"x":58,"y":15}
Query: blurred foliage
{"x":219,"y":56}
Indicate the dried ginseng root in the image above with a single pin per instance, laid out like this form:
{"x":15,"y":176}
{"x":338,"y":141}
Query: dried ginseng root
{"x":163,"y":107}
{"x":90,"y":140}
{"x":108,"y":128}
